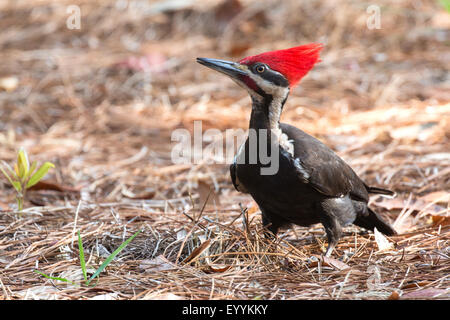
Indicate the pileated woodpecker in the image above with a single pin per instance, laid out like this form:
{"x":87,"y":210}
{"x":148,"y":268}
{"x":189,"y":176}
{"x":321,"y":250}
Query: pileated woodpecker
{"x":312,"y":184}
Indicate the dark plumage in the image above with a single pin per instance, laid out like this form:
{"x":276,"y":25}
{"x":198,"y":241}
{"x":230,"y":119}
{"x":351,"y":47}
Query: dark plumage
{"x":333,"y":194}
{"x":312,"y":184}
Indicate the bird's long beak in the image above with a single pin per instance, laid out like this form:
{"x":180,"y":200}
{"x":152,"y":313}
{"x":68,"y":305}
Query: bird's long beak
{"x":231,"y":69}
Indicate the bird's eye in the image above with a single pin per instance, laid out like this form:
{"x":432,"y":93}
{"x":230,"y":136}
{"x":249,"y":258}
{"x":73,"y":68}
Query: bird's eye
{"x":260,"y":68}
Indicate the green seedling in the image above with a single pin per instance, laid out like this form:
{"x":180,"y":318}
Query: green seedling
{"x":83,"y":263}
{"x":445,"y":4}
{"x":24,"y":176}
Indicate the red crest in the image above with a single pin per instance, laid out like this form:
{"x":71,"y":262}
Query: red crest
{"x":293,"y":63}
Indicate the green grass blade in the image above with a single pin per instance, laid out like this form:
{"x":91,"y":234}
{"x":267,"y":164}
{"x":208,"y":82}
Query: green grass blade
{"x":55,"y":278}
{"x":112,"y":256}
{"x":82,"y":261}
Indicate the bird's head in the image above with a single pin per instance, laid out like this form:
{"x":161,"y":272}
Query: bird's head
{"x":271,"y":73}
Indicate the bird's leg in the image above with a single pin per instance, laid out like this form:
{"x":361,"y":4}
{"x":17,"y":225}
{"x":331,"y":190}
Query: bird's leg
{"x":331,"y":246}
{"x":270,"y":227}
{"x":333,"y":229}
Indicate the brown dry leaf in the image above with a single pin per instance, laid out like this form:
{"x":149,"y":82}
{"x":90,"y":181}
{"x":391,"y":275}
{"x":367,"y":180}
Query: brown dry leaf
{"x":197,"y":251}
{"x":160,"y":263}
{"x":384,"y":137}
{"x":54,"y":186}
{"x":414,"y":258}
{"x":394,"y":296}
{"x":440,"y":220}
{"x":328,"y":262}
{"x":39,"y":293}
{"x":162,"y":296}
{"x":442,"y":197}
{"x":206,"y":193}
{"x":416,"y":205}
{"x":416,"y":284}
{"x":141,"y":196}
{"x":210,"y":269}
{"x":427,"y":294}
{"x":336,"y":264}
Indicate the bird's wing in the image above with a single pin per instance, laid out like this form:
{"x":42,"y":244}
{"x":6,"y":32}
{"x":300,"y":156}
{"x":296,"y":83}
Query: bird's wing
{"x":233,"y":175}
{"x":238,"y":186}
{"x":323,"y":169}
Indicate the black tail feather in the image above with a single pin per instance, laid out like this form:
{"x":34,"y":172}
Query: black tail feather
{"x":376,"y":190}
{"x":374,"y":220}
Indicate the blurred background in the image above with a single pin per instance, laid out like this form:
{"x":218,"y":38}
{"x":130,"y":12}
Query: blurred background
{"x":90,"y":85}
{"x":97,"y":88}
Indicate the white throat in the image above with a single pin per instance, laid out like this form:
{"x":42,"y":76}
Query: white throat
{"x":279,"y":95}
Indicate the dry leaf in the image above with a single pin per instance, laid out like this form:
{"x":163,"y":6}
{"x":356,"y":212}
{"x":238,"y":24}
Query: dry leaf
{"x":162,"y":296}
{"x":210,"y":269}
{"x":198,"y":251}
{"x":394,"y":296}
{"x":440,"y":220}
{"x":9,"y":83}
{"x":39,"y":293}
{"x":54,"y":186}
{"x":416,"y":284}
{"x":336,"y":264}
{"x":106,"y":296}
{"x":416,"y":205}
{"x":206,"y":193}
{"x":382,"y":242}
{"x":427,"y":294}
{"x":141,"y":196}
{"x":442,"y":197}
{"x":328,"y":262}
{"x":160,"y":263}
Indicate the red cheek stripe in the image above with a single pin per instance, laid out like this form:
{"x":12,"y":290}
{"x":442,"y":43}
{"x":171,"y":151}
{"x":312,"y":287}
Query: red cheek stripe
{"x":251,"y":84}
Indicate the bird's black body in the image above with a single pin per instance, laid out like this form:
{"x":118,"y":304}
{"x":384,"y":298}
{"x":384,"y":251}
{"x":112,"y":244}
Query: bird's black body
{"x":312,"y":184}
